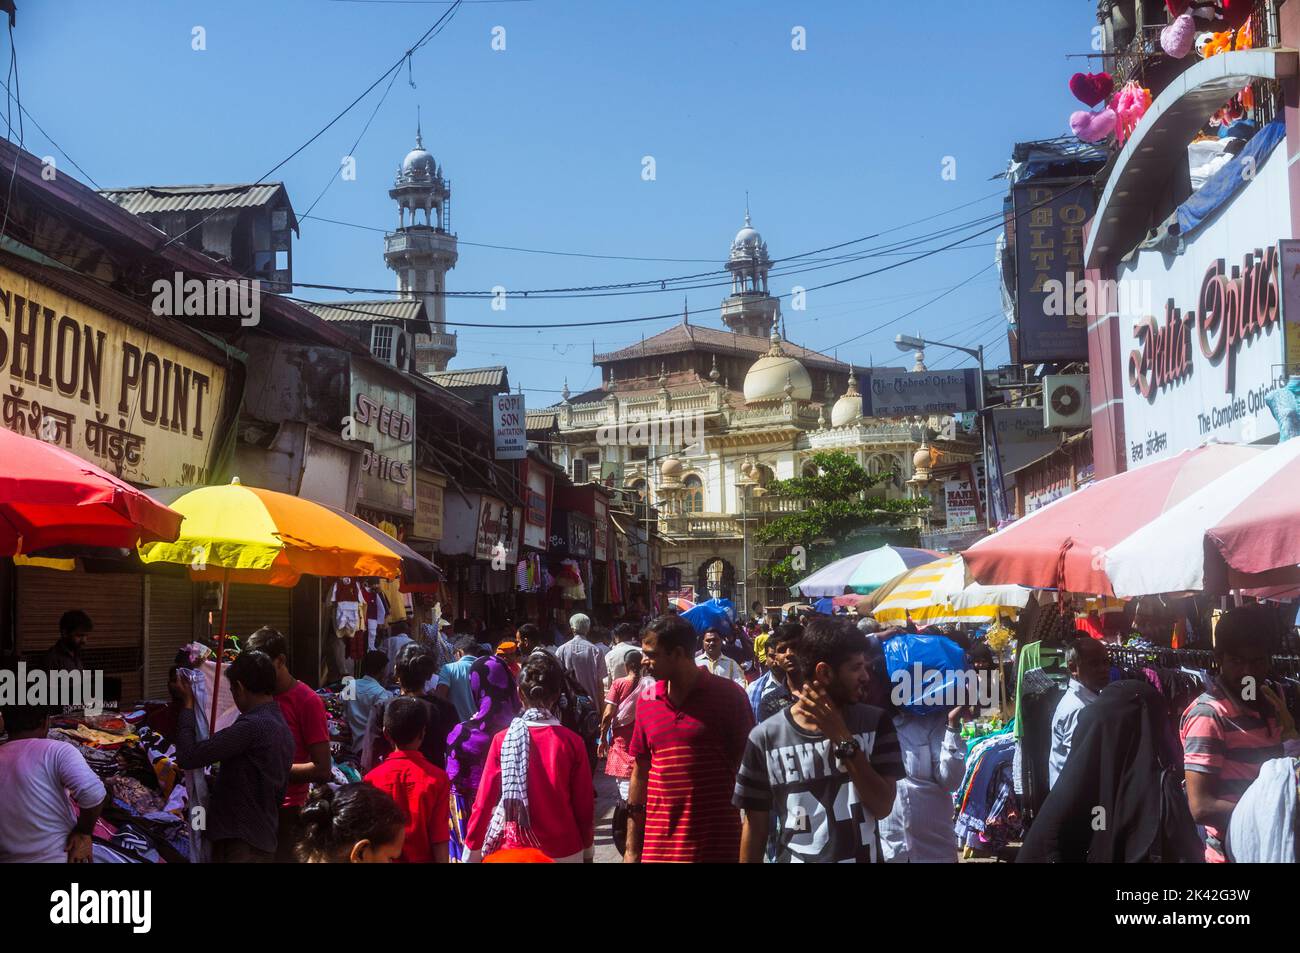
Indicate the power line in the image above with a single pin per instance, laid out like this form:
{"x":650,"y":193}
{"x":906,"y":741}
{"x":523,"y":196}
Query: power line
{"x":428,"y":35}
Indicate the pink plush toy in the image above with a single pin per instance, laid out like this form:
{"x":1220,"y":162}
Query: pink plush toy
{"x":1130,"y":105}
{"x":1177,"y":38}
{"x":1093,"y":127}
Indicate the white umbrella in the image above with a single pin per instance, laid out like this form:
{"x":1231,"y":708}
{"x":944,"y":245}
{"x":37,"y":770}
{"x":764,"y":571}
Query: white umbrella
{"x":1239,"y":531}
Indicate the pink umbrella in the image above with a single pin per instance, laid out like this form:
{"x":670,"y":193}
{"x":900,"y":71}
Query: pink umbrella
{"x":1241,"y":531}
{"x":1064,"y":545}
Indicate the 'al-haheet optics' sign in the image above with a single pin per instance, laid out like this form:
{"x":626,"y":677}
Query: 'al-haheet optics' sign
{"x":1201,"y":368}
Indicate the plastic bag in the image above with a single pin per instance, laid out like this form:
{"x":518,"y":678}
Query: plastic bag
{"x":923,"y":672}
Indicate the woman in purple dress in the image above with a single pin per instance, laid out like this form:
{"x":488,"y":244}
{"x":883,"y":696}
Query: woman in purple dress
{"x":493,"y":689}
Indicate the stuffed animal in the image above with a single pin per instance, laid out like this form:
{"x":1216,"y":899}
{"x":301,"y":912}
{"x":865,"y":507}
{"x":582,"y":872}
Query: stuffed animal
{"x":1177,"y":38}
{"x":1228,"y":13}
{"x":1092,"y":88}
{"x":1130,"y":105}
{"x":1093,"y":127}
{"x":1212,"y":44}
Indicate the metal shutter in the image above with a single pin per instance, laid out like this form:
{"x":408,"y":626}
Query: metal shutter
{"x":114,"y":602}
{"x":252,"y":607}
{"x":171,"y":625}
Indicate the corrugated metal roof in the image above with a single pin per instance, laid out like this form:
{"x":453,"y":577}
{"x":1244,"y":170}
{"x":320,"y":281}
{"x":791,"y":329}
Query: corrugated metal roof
{"x":147,"y":199}
{"x":472,"y":377}
{"x":389,"y":309}
{"x":541,"y":420}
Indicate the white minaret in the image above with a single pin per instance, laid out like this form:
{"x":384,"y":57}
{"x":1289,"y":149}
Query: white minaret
{"x":750,"y":309}
{"x":423,"y":249}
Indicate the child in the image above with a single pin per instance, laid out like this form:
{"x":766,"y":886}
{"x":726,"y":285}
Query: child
{"x":353,"y":824}
{"x":418,"y":786}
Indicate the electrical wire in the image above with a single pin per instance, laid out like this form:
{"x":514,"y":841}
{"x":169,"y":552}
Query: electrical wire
{"x":428,"y":35}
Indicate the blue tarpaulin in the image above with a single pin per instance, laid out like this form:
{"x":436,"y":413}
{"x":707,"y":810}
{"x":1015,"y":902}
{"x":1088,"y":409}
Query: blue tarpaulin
{"x":825,"y":606}
{"x":714,"y":614}
{"x":1228,"y":181}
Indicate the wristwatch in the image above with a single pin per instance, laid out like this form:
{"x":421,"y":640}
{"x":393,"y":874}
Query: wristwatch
{"x":846,"y":750}
{"x":635,"y":810}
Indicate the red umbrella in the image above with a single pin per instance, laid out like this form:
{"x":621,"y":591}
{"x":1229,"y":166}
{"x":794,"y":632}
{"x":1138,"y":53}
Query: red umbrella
{"x":50,"y":497}
{"x":1064,"y":545}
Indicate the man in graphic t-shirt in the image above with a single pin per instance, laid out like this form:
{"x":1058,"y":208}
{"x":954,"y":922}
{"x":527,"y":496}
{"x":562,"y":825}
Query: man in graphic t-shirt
{"x":826,"y":766}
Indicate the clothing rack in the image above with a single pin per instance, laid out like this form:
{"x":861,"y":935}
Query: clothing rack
{"x":1190,"y":658}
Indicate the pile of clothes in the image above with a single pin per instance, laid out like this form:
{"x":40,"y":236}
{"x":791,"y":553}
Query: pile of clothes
{"x":144,"y":818}
{"x":988,"y":811}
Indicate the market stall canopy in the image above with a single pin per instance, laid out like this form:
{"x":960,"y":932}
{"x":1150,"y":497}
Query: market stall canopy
{"x":863,"y":572}
{"x":238,"y":533}
{"x":940,"y":592}
{"x":1241,"y":531}
{"x":50,"y":497}
{"x":419,"y":573}
{"x":1063,"y":545}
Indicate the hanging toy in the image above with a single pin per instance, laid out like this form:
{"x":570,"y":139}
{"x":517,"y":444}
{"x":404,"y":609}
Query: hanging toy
{"x":1229,"y":13}
{"x":1177,"y":38}
{"x":1212,"y":44}
{"x":1092,"y":89}
{"x":1130,"y":105}
{"x":1093,"y":127}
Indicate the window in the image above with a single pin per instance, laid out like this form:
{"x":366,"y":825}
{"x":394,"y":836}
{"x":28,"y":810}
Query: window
{"x":640,"y":453}
{"x":579,"y":470}
{"x":693,"y":497}
{"x":809,"y":470}
{"x":763,"y":475}
{"x":381,"y":342}
{"x":638,"y":487}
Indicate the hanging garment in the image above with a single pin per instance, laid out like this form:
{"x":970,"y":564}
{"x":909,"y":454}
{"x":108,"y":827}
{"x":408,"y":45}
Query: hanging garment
{"x":1263,"y":829}
{"x":1119,"y":769}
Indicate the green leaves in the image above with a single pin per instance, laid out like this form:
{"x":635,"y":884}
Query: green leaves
{"x":839,"y":509}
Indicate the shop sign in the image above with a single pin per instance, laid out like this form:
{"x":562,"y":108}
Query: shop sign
{"x":600,"y":531}
{"x":428,"y":506}
{"x":1036,"y":501}
{"x":497,"y":538}
{"x":538,"y":495}
{"x":579,"y":536}
{"x":384,"y":417}
{"x":962,"y":501}
{"x":1049,"y":256}
{"x":1202,"y":369}
{"x":509,"y":426}
{"x":1021,"y":437}
{"x":909,"y":393}
{"x":72,"y":376}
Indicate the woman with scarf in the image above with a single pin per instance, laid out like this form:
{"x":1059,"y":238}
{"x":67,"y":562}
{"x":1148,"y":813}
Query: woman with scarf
{"x":1119,"y":798}
{"x":492,"y":687}
{"x":536,"y":788}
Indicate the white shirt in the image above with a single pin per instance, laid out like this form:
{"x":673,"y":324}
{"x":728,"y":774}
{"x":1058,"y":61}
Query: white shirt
{"x":725,"y":667}
{"x":919,"y":829}
{"x":1066,"y":718}
{"x":36,"y":816}
{"x":616,"y":661}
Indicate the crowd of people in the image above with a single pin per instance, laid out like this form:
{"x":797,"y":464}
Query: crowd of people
{"x":747,"y":743}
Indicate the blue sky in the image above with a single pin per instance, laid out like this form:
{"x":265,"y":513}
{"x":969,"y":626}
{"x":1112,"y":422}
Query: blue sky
{"x":544,"y":141}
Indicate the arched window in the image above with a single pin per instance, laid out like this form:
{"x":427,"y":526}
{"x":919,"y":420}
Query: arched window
{"x":809,"y":470}
{"x":638,"y":487}
{"x":763,"y":475}
{"x":693,"y":498}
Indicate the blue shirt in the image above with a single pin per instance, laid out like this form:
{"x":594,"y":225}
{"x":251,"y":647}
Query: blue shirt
{"x":357,"y":710}
{"x":456,"y":675}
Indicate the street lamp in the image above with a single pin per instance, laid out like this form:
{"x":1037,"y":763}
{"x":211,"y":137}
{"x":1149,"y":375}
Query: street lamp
{"x":909,"y":342}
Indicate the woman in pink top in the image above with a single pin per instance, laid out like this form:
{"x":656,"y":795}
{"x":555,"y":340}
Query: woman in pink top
{"x":536,"y":787}
{"x":620,"y":716}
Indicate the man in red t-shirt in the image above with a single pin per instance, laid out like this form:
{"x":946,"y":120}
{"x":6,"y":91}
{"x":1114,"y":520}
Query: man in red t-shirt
{"x":687,"y":744}
{"x":305,"y":714}
{"x":420,"y":789}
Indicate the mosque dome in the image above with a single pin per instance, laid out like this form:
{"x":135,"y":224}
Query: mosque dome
{"x":849,"y":407}
{"x":776,"y":375}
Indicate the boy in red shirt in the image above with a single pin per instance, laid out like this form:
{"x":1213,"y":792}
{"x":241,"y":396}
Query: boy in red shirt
{"x":420,"y":788}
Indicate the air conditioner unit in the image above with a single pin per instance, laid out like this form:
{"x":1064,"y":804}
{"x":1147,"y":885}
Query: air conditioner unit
{"x":1066,"y":405}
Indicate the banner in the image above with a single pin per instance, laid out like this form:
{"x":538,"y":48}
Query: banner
{"x":962,"y":503}
{"x":509,"y":426}
{"x":1050,"y":215}
{"x":912,"y":393}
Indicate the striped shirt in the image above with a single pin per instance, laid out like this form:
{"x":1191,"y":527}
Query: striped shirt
{"x":694,"y":753}
{"x":1223,"y":737}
